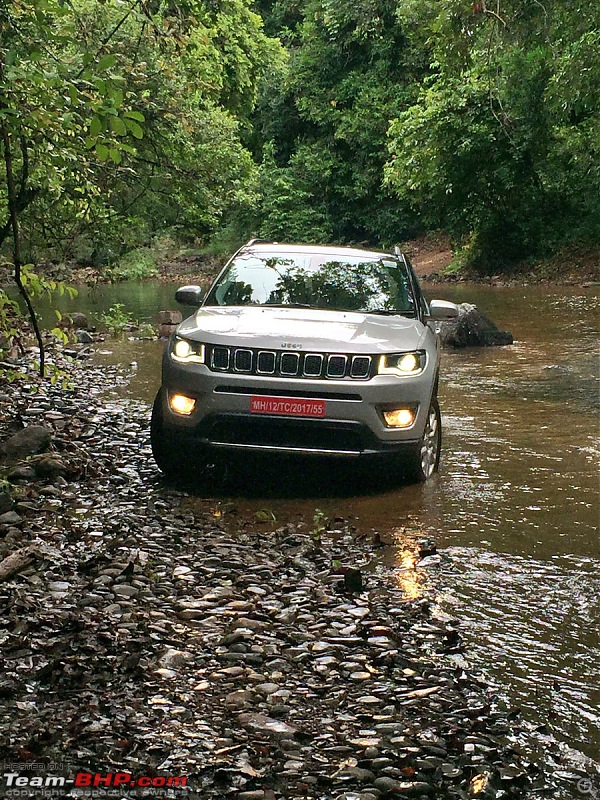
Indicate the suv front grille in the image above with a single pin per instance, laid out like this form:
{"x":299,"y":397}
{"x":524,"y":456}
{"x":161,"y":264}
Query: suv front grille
{"x":285,"y":364}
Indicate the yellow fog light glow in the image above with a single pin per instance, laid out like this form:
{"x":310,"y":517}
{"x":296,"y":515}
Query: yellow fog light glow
{"x":399,"y":418}
{"x":181,"y":404}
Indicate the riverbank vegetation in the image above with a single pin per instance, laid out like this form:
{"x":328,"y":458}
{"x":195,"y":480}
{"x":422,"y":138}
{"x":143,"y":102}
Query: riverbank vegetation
{"x":199,"y":124}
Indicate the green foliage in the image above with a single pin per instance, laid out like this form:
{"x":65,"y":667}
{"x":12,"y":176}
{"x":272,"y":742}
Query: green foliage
{"x":501,"y":147}
{"x":10,"y":323}
{"x":136,"y":265}
{"x":146,"y":331}
{"x":12,"y":317}
{"x":117,"y":320}
{"x":290,"y":208}
{"x":320,"y":523}
{"x":327,"y":115}
{"x":127,"y":118}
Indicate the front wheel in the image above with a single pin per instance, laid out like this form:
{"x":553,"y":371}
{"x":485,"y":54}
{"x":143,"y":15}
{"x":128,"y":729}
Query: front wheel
{"x":425,"y":460}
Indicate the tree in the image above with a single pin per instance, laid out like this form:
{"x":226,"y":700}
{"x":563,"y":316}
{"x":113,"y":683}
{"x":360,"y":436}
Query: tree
{"x":123,"y":117}
{"x":351,"y":70}
{"x":501,"y":147}
{"x":56,"y":104}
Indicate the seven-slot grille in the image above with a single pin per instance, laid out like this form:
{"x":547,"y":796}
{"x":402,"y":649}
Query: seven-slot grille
{"x":286,"y":364}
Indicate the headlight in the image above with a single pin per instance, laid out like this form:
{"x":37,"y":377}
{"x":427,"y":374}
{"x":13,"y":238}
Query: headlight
{"x":401,"y":364}
{"x":187,"y":351}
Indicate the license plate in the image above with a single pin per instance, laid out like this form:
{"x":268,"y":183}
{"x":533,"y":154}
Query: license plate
{"x":287,"y":406}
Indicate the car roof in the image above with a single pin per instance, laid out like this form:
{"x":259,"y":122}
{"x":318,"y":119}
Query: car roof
{"x":314,"y":249}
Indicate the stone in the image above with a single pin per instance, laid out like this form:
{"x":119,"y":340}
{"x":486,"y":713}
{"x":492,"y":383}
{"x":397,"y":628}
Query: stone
{"x":239,"y":699}
{"x":166,"y":330}
{"x":387,"y":785}
{"x":84,"y":337}
{"x":359,"y":774}
{"x":267,"y":688}
{"x":32,"y":439}
{"x":50,"y":466}
{"x":79,"y":320}
{"x":472,"y":328}
{"x":123,"y":590}
{"x":22,"y":472}
{"x":10,"y":518}
{"x":172,"y":659}
{"x":169,"y":317}
{"x":6,"y":502}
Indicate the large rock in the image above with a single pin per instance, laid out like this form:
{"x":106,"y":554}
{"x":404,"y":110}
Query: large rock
{"x":167,"y":322}
{"x":169,"y":317}
{"x":79,"y":320}
{"x":472,"y":328}
{"x":32,"y":439}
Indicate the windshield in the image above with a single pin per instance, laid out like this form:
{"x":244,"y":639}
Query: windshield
{"x":328,"y":281}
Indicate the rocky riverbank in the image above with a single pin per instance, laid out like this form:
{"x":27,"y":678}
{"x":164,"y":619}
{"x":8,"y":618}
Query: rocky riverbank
{"x":140,"y":637}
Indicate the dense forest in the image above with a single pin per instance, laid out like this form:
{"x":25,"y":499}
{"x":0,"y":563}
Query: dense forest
{"x":128,"y":125}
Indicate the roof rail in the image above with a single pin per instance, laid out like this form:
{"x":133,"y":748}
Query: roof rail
{"x":258,"y":241}
{"x":400,"y":254}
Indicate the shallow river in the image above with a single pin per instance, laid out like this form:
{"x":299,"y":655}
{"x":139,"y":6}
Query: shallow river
{"x":514,"y":510}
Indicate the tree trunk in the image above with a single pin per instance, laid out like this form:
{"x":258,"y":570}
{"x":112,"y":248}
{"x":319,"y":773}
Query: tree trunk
{"x":16,"y":236}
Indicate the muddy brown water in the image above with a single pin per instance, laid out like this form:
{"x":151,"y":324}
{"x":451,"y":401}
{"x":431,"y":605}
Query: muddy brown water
{"x":514,"y":510}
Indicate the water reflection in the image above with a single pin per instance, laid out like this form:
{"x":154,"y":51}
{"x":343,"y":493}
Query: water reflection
{"x":407,"y":577}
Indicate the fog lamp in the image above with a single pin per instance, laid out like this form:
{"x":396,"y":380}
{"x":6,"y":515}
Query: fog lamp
{"x":181,"y":404}
{"x":399,"y":418}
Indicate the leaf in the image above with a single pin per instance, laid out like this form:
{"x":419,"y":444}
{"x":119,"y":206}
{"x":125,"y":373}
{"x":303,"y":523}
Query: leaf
{"x":95,"y":127}
{"x":116,"y":95}
{"x":106,"y":62}
{"x":115,"y":155}
{"x":135,"y":115}
{"x":102,"y":152}
{"x":118,"y":126}
{"x":135,"y":129}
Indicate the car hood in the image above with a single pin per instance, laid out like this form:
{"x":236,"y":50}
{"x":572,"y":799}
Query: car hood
{"x":308,"y":329}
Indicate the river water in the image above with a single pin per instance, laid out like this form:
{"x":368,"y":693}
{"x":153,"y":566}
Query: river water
{"x":514,"y":510}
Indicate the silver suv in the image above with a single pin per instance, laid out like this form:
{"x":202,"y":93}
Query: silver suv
{"x":307,"y":350}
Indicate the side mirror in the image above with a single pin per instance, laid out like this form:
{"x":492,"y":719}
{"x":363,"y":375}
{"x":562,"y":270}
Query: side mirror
{"x":442,"y":310}
{"x":189,"y":295}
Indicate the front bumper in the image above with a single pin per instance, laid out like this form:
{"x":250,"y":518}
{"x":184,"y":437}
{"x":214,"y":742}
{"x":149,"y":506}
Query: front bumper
{"x":352,"y":426}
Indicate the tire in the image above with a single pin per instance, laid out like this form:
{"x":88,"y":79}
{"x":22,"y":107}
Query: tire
{"x":165,"y":452}
{"x":425,"y":460}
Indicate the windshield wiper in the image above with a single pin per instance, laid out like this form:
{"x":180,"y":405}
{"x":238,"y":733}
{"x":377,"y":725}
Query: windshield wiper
{"x":286,"y":305}
{"x":384,"y":312}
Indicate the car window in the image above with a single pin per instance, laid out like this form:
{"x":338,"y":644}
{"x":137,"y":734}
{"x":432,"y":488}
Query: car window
{"x":316,"y":280}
